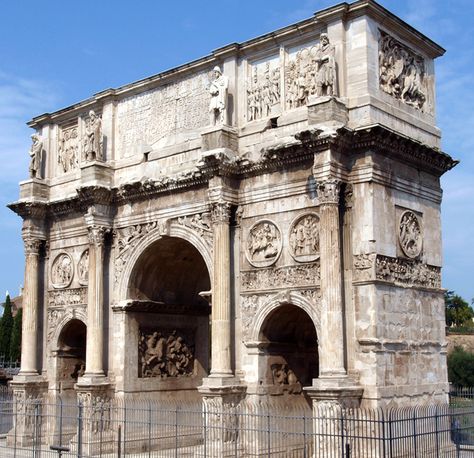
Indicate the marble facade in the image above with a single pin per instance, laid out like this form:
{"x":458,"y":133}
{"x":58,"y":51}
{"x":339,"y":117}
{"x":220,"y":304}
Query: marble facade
{"x":262,"y":221}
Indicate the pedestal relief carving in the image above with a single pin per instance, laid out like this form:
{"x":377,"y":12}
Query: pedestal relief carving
{"x":410,"y":234}
{"x":402,"y":72}
{"x":263,"y":91}
{"x":311,"y":72}
{"x":92,"y":140}
{"x":83,"y":268}
{"x":68,"y":148}
{"x":281,"y":277}
{"x":62,"y":271}
{"x":36,"y":155}
{"x":304,"y":238}
{"x":165,"y":354}
{"x":264,"y":244}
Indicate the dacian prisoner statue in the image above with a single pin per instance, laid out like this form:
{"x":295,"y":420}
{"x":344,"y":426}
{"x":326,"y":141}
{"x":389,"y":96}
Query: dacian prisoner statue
{"x":93,"y":138}
{"x":36,"y":153}
{"x":218,"y":104}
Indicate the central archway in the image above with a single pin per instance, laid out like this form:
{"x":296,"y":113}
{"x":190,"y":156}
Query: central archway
{"x":167,"y":305}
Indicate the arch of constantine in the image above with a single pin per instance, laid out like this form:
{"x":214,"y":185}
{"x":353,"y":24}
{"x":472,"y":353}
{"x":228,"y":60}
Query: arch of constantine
{"x":263,"y":221}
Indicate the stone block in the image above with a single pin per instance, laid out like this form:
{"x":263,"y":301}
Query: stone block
{"x":96,"y":174}
{"x":322,"y":110}
{"x":34,"y":189}
{"x":219,"y":137}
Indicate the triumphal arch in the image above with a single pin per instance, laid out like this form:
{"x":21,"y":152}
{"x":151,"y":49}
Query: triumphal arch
{"x":263,"y":221}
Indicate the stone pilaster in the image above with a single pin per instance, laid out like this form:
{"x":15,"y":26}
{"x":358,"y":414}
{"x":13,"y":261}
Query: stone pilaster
{"x":95,"y":306}
{"x":221,"y":303}
{"x":331,"y":357}
{"x":29,"y":347}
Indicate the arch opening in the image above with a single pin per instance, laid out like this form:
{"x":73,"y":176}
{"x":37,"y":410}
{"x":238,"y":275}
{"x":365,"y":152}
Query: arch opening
{"x":290,"y":344}
{"x":170,"y":313}
{"x":71,"y":352}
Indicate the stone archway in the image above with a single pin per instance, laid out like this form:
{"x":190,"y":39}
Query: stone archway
{"x":289,"y":342}
{"x":168,"y":316}
{"x":71,"y":353}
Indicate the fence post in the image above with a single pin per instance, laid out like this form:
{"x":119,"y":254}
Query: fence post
{"x":149,"y":428}
{"x":119,"y":441}
{"x":414,"y":432}
{"x":268,"y":435}
{"x":79,"y":430}
{"x":15,"y":426}
{"x":35,"y":431}
{"x":342,"y":435}
{"x":437,"y":430}
{"x":205,"y":429}
{"x":176,"y":434}
{"x":304,"y":438}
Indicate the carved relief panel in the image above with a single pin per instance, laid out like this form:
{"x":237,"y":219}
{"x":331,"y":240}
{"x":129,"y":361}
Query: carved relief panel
{"x":410,"y":235}
{"x":263,"y":89}
{"x":402,"y":73}
{"x":165,"y":353}
{"x":264,"y":244}
{"x":62,"y":271}
{"x":304,"y":238}
{"x":68,"y":147}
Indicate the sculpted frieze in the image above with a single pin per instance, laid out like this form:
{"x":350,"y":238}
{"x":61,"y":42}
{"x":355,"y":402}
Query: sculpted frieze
{"x":150,"y":116}
{"x":402,"y":72}
{"x":410,"y":234}
{"x":164,"y":353}
{"x":304,"y":238}
{"x":263,"y":91}
{"x":400,"y":271}
{"x":311,"y":72}
{"x":66,"y":297}
{"x":62,"y":271}
{"x":68,"y":148}
{"x":264,"y":244}
{"x":281,"y":277}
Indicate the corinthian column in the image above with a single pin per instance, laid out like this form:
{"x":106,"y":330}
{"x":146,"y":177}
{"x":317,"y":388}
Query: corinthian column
{"x":221,"y":310}
{"x":95,"y":306}
{"x":331,"y":357}
{"x":29,"y":344}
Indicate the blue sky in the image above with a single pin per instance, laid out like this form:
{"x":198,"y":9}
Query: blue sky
{"x":55,"y":53}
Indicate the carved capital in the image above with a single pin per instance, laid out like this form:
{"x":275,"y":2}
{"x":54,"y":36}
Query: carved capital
{"x":32,"y":245}
{"x":96,"y":235}
{"x":328,"y":191}
{"x":220,"y":212}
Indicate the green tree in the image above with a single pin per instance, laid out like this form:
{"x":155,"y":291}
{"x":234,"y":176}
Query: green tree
{"x":6,"y":326}
{"x":15,"y":347}
{"x":461,"y":367}
{"x":458,"y":311}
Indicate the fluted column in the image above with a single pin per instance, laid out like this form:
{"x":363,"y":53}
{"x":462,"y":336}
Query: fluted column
{"x":331,"y":357}
{"x":29,"y":344}
{"x":95,"y":306}
{"x":221,"y":304}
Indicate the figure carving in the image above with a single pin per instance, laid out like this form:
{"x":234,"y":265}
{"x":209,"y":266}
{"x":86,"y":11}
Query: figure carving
{"x":36,"y":154}
{"x":401,"y":72}
{"x":93,"y":138}
{"x":83,"y":268}
{"x":326,"y":67}
{"x":68,"y":148}
{"x":264,"y":244}
{"x":304,"y":238}
{"x":218,"y":104}
{"x":263,"y":92}
{"x":164,"y":354}
{"x":283,"y":375}
{"x":200,"y":223}
{"x":62,"y":271}
{"x":409,"y":236}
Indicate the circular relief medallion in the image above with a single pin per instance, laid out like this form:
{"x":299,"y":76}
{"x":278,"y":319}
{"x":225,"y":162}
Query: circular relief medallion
{"x":409,"y":235}
{"x":263,"y":244}
{"x":83,"y":268}
{"x":304,"y":238}
{"x":62,"y":271}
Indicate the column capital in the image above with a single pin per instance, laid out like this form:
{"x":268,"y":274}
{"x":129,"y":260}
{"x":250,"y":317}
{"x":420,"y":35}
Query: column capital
{"x":220,"y":212}
{"x":32,"y":245}
{"x":328,"y":191}
{"x":96,"y":234}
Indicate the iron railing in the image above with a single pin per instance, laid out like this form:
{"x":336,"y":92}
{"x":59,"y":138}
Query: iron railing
{"x":52,"y":427}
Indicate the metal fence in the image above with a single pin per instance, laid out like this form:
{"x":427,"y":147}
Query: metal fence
{"x":144,"y":428}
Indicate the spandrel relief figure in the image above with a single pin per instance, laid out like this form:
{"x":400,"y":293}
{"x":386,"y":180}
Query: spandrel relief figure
{"x":326,"y":68}
{"x":264,"y":244}
{"x":93,"y":138}
{"x":36,"y":155}
{"x":218,"y":91}
{"x":401,"y":72}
